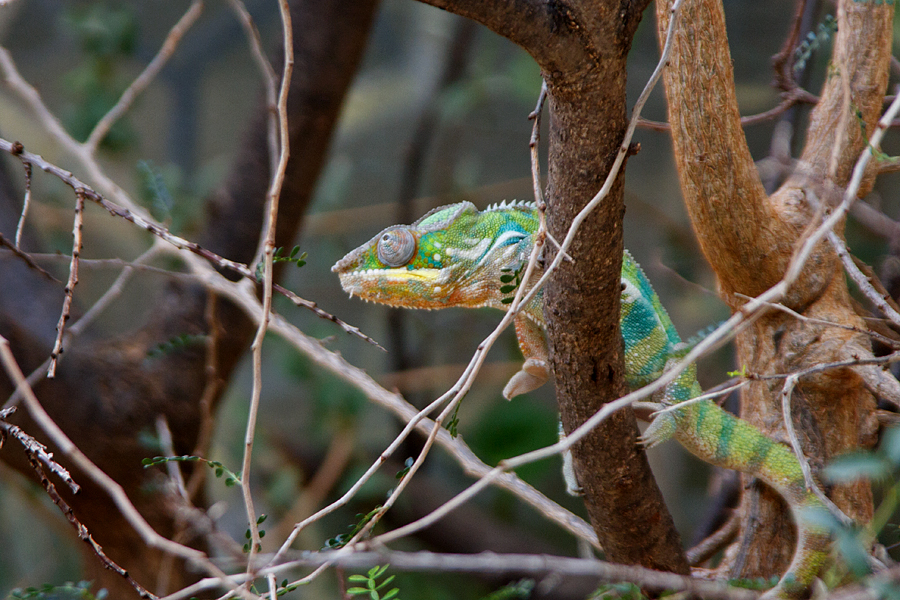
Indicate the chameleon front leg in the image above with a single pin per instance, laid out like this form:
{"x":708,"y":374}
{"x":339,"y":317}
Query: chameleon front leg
{"x":535,"y":373}
{"x":535,"y":370}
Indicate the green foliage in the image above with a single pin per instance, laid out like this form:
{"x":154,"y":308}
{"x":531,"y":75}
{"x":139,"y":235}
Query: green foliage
{"x":67,"y":591}
{"x":880,"y":467}
{"x":741,"y":373}
{"x":512,"y":279}
{"x":220,"y":469}
{"x":373,"y":587}
{"x":514,"y":591}
{"x":339,"y":541}
{"x":286,"y":587}
{"x":618,"y":591}
{"x":407,"y":465}
{"x":453,"y":423}
{"x":824,"y":32}
{"x":248,"y":535}
{"x":181,"y":342}
{"x":107,"y":33}
{"x":154,"y":190}
{"x":277,"y":257}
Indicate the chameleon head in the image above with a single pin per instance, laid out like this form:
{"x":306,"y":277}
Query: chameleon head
{"x":449,"y":257}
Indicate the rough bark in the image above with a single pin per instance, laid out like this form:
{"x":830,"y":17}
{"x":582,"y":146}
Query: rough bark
{"x":750,"y":237}
{"x":581,"y":48}
{"x":108,"y":392}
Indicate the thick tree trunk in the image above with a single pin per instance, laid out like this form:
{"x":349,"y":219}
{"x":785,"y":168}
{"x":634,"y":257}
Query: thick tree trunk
{"x":107,"y":393}
{"x":749,"y":238}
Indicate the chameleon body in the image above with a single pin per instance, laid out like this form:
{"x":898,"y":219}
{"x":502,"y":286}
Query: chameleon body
{"x":455,"y":256}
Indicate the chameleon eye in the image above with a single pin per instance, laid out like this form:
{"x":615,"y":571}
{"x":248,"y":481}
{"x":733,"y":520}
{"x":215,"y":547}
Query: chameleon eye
{"x":396,"y":247}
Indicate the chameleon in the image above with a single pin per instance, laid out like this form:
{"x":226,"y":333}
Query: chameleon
{"x":454,"y":256}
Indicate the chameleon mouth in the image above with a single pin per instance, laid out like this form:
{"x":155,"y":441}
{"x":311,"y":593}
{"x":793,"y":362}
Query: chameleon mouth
{"x":356,"y":282}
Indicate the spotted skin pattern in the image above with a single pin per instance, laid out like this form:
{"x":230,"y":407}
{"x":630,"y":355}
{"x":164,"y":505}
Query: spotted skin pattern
{"x":457,"y":257}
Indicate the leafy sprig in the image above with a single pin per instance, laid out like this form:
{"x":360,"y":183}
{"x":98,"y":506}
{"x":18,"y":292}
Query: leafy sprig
{"x":220,"y":469}
{"x":278,"y":257}
{"x":813,"y":41}
{"x":372,"y":586}
{"x":339,"y":541}
{"x":181,"y":342}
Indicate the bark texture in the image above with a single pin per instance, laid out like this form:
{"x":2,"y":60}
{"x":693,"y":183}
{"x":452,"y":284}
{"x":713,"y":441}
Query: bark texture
{"x":581,"y":47}
{"x":749,"y":239}
{"x":107,"y":392}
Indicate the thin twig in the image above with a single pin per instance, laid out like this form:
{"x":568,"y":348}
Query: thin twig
{"x":270,"y":80}
{"x":164,"y":234}
{"x":712,"y":544}
{"x":268,"y":247}
{"x":168,"y":449}
{"x":533,"y":145}
{"x":861,"y":281}
{"x":83,"y":533}
{"x":26,"y":258}
{"x":786,"y":391}
{"x":801,"y":317}
{"x":149,"y":73}
{"x":36,"y":450}
{"x":69,"y":144}
{"x":491,"y":563}
{"x":26,"y":204}
{"x":789,"y":99}
{"x":70,"y":284}
{"x":96,"y":309}
{"x":109,"y":485}
{"x":210,"y":391}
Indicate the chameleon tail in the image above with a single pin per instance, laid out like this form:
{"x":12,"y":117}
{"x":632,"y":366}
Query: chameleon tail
{"x":720,"y":438}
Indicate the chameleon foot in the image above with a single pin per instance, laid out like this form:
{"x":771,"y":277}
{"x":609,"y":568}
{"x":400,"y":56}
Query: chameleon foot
{"x":533,"y":375}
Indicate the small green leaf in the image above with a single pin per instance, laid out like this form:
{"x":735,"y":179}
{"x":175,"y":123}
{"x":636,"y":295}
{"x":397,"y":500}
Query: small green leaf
{"x":855,"y":467}
{"x":355,"y":591}
{"x":262,"y":519}
{"x":357,"y":578}
{"x":890,"y":445}
{"x":853,"y":552}
{"x":376,"y":571}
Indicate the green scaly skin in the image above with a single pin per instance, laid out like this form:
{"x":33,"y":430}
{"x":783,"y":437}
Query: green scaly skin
{"x":455,"y":255}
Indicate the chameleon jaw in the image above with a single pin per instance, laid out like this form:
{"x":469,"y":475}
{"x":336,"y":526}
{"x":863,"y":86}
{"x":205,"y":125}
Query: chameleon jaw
{"x":398,"y":286}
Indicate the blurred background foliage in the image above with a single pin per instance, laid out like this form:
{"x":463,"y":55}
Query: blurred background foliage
{"x":175,"y":146}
